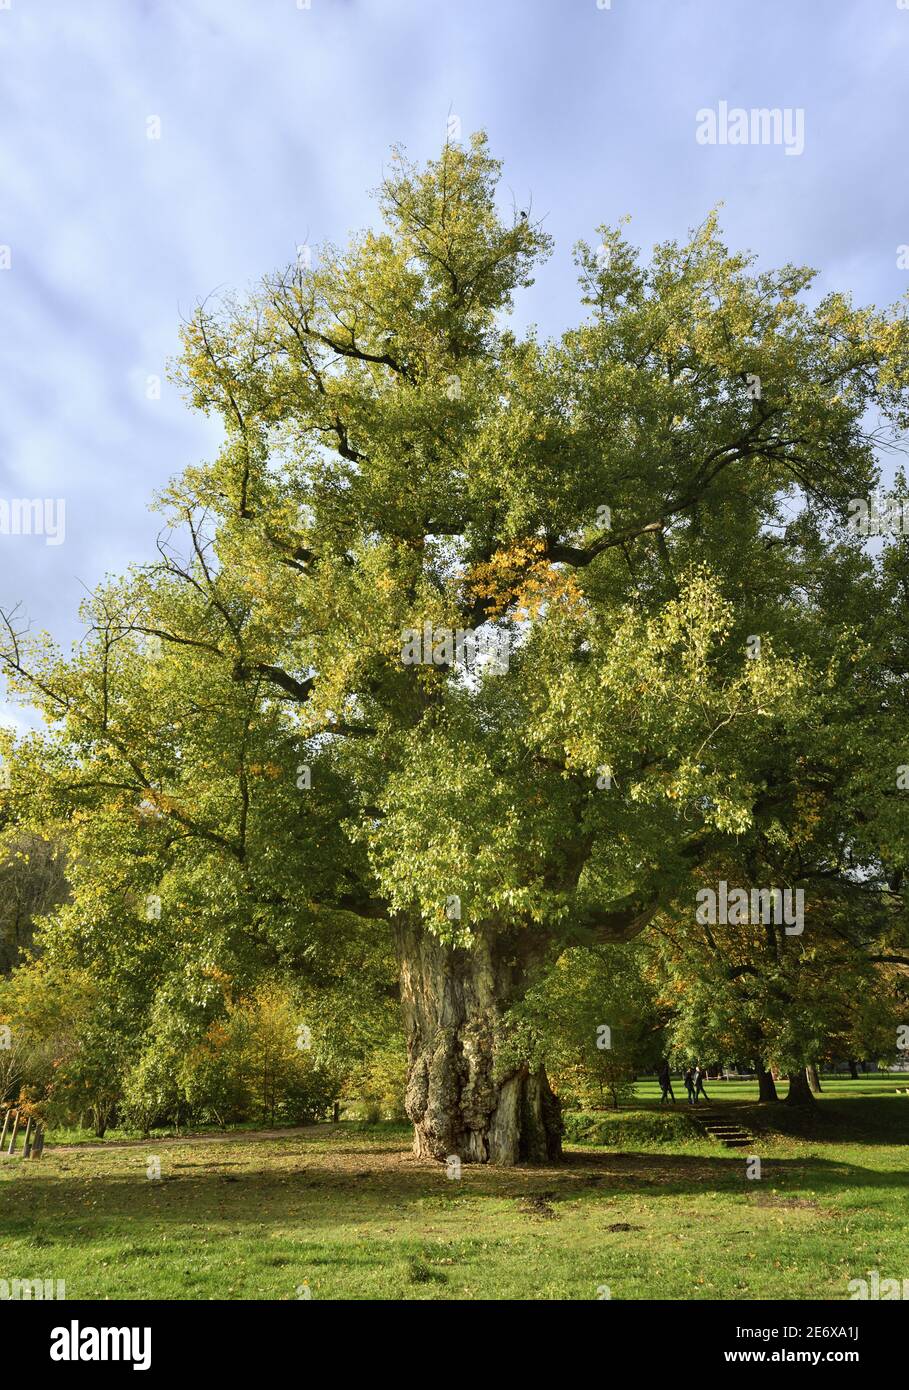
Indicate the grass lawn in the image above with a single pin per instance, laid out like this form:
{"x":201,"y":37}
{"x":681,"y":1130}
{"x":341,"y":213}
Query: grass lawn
{"x":649,"y":1209}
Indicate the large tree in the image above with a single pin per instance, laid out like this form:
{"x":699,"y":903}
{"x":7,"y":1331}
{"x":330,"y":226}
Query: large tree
{"x":246,"y":738}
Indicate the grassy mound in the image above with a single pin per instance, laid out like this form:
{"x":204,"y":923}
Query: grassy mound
{"x":629,"y":1129}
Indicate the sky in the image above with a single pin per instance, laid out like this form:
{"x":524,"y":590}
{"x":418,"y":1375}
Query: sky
{"x":154,"y":152}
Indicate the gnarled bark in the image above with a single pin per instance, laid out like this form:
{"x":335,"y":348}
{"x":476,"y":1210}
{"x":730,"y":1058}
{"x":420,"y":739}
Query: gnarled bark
{"x":467,"y":1096}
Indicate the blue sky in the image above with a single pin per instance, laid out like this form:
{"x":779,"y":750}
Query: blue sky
{"x":276,"y":121}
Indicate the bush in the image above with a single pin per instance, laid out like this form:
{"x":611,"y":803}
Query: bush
{"x":375,"y":1089}
{"x":65,"y":1054}
{"x":248,"y":1065}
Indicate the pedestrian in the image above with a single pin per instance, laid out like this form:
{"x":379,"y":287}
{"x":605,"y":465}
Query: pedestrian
{"x":689,"y":1085}
{"x":699,"y":1075}
{"x":665,"y":1079}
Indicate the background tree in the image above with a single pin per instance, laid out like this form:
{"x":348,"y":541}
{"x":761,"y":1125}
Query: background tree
{"x":778,"y":1002}
{"x":593,"y":1021}
{"x":32,"y":883}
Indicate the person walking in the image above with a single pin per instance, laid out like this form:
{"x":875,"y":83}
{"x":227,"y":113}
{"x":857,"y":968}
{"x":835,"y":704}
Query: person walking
{"x":689,"y":1085}
{"x":699,"y":1075}
{"x":665,"y":1079}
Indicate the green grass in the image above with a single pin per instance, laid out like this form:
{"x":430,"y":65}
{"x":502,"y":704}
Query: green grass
{"x":653,"y":1211}
{"x":873,"y":1084}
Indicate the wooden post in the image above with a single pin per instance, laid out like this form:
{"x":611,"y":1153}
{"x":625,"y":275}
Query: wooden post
{"x":12,"y":1142}
{"x":6,"y":1114}
{"x":38,"y":1149}
{"x":27,"y":1142}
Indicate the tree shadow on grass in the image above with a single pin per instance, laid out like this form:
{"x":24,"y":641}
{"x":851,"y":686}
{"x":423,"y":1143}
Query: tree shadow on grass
{"x":840,"y":1120}
{"x":297,"y":1190}
{"x":831,"y":1120}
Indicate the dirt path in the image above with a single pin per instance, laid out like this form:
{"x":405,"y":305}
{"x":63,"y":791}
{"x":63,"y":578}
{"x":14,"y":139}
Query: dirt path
{"x":233,"y":1137}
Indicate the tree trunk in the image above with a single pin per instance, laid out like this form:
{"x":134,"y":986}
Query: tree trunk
{"x":468,"y":1095}
{"x":814,"y":1081}
{"x":766,"y":1083}
{"x":853,"y":1069}
{"x":799,"y":1089}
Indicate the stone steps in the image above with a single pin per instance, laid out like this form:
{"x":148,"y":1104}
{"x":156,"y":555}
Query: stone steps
{"x":725,"y":1132}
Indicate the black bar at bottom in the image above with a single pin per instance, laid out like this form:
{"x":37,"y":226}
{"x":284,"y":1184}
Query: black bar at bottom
{"x":66,"y":1338}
